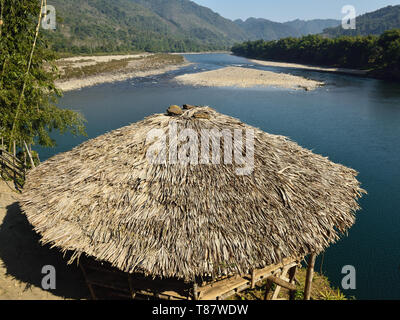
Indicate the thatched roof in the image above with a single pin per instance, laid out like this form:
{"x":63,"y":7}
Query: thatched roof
{"x":105,"y":199}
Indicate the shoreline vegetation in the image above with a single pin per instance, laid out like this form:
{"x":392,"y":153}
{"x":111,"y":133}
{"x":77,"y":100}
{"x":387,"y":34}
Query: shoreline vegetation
{"x":372,"y":56}
{"x":309,"y":67}
{"x":246,"y":77}
{"x":85,"y":71}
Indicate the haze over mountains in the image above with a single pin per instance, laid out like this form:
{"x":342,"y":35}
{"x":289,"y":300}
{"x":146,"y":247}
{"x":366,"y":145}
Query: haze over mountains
{"x":86,"y":26}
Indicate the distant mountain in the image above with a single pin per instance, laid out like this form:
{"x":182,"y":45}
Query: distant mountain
{"x":373,"y":23}
{"x":87,"y":26}
{"x":193,"y":20}
{"x":268,"y":30}
{"x":312,"y":26}
{"x":151,"y":25}
{"x":265,"y":29}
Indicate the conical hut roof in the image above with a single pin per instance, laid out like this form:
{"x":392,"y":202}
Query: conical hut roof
{"x":106,"y":199}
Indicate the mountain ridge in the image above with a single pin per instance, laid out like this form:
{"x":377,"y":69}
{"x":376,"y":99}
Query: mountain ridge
{"x":260,"y":28}
{"x":370,"y":23}
{"x":89,"y":26}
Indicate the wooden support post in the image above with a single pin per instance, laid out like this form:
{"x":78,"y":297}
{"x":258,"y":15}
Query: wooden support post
{"x":282,"y":283}
{"x":253,"y":279}
{"x":309,"y":277}
{"x":292,"y":277}
{"x":282,"y":277}
{"x":268,"y":288}
{"x":195,"y":291}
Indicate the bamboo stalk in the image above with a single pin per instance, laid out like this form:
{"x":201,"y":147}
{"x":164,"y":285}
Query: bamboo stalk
{"x":27,"y":72}
{"x":29,"y":155}
{"x":14,"y":154}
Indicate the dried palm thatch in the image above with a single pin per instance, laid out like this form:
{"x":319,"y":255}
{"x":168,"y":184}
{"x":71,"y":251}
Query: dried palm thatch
{"x":104,"y":199}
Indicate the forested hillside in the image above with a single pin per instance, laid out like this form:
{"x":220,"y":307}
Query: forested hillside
{"x":257,"y":29}
{"x":151,"y":25}
{"x":193,"y":20}
{"x":87,"y":26}
{"x":372,"y":23}
{"x":312,"y":26}
{"x":380,"y":55}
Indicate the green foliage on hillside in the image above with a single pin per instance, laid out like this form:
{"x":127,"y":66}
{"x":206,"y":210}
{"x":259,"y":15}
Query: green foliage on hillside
{"x":268,"y":30}
{"x":159,"y":26}
{"x":379,"y":54}
{"x":28,"y":95}
{"x":133,"y":25}
{"x":372,"y":23}
{"x":265,"y":29}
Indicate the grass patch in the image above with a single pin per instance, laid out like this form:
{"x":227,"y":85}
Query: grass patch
{"x":136,"y":64}
{"x":321,"y":290}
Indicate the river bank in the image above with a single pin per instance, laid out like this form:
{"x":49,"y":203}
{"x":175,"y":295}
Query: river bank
{"x":85,"y":71}
{"x":309,"y":67}
{"x":247,"y":77}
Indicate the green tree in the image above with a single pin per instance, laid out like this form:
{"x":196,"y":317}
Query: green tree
{"x":389,"y":59}
{"x":28,"y":96}
{"x":379,"y":55}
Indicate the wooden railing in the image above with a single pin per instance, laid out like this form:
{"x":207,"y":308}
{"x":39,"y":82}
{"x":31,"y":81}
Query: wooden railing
{"x":12,"y":168}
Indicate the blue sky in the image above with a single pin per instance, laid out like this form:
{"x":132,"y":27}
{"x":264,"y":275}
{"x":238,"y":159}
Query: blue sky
{"x":285,"y":10}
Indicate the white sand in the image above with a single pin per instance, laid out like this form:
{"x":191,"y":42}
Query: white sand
{"x":245,"y":77}
{"x":308,"y":67}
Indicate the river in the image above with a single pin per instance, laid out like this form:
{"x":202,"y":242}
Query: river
{"x":354,"y":121}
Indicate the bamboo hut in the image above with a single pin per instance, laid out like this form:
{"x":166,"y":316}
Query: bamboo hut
{"x":184,"y":231}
